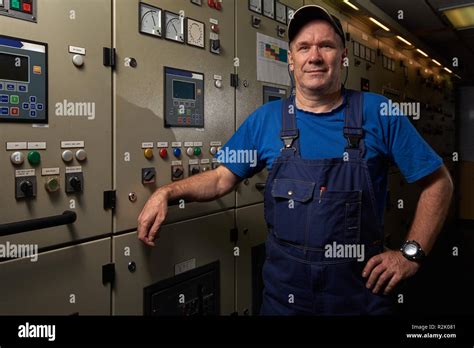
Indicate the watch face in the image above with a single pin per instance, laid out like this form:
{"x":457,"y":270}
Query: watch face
{"x":150,"y":20}
{"x":410,"y":249}
{"x":174,"y":27}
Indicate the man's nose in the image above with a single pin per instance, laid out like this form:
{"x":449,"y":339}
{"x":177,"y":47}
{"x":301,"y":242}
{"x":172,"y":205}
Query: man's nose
{"x":315,"y":55}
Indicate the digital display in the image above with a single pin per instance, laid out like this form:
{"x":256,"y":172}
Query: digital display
{"x":14,"y":68}
{"x":183,"y":90}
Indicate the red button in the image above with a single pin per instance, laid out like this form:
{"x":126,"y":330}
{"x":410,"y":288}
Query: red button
{"x":163,"y":153}
{"x":27,"y":7}
{"x":14,"y":111}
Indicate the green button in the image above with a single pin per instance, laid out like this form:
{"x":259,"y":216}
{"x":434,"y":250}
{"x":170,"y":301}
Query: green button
{"x":15,"y":4}
{"x":34,"y":157}
{"x":14,"y":99}
{"x":188,"y":112}
{"x":197,"y":151}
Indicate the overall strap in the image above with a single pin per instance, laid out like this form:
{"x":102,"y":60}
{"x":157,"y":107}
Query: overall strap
{"x":353,"y":121}
{"x":289,"y":132}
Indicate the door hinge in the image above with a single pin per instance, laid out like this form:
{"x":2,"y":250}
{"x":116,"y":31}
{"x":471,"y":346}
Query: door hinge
{"x":234,"y":80}
{"x":109,"y":57}
{"x":110,"y":199}
{"x":108,"y":273}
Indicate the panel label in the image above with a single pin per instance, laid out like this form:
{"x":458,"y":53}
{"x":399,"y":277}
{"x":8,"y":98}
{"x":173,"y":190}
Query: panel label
{"x":72,"y":144}
{"x":184,"y":266}
{"x":49,"y":171}
{"x":17,"y":146}
{"x":73,"y":170}
{"x":24,"y":172}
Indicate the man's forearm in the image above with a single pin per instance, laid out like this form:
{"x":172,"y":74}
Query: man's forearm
{"x":202,"y":187}
{"x":432,"y":210}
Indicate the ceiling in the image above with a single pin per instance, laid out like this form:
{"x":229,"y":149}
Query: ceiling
{"x":423,"y":19}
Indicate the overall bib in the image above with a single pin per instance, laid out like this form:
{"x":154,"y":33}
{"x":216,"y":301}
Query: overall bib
{"x":310,"y":204}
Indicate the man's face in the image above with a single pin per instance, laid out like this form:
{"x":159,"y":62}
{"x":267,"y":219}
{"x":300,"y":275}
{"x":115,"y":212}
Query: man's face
{"x":316,"y":56}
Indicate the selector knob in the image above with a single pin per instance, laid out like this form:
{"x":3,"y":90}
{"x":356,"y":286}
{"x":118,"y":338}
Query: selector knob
{"x":149,"y":175}
{"x":17,"y":157}
{"x":190,"y":151}
{"x":27,"y":188}
{"x":216,"y":44}
{"x":52,"y":185}
{"x":67,"y":156}
{"x":177,"y":173}
{"x":76,"y":183}
{"x":81,"y":155}
{"x":194,"y":170}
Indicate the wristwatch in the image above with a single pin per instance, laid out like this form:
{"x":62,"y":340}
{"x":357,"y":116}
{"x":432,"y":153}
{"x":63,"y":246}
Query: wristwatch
{"x":412,"y":251}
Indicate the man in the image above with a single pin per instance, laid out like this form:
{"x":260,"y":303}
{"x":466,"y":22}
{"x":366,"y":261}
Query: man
{"x":327,"y":150}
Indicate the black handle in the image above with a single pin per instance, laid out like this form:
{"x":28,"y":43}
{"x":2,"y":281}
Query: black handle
{"x":67,"y":217}
{"x":260,"y":186}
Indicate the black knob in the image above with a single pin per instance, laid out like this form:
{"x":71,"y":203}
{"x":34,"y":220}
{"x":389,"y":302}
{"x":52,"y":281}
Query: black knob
{"x":194,"y":170}
{"x":216,"y":44}
{"x":76,"y":183}
{"x":149,"y":175}
{"x":177,"y":173}
{"x":27,"y":188}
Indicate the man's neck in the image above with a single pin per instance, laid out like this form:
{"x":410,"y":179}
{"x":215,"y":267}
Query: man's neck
{"x":318,"y":103}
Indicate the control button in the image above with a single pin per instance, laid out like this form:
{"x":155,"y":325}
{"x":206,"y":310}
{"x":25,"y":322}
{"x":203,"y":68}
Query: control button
{"x":213,"y":150}
{"x":52,"y":185}
{"x":37,"y":70}
{"x":11,"y":87}
{"x":81,"y":155}
{"x":76,"y":183}
{"x":5,"y":111}
{"x":33,"y":106}
{"x":177,"y":172}
{"x":78,"y":60}
{"x":148,"y":153}
{"x":14,"y":99}
{"x":34,"y":157}
{"x":197,"y":151}
{"x":4,"y":99}
{"x":32,"y":99}
{"x":27,"y":188}
{"x":27,"y":7}
{"x":2,"y":85}
{"x":215,"y":28}
{"x":39,"y":106}
{"x":67,"y":156}
{"x":17,"y":157}
{"x":22,"y":88}
{"x":32,"y":113}
{"x":163,"y":153}
{"x":195,"y":170}
{"x":14,"y":111}
{"x":218,"y":83}
{"x":177,"y":152}
{"x":15,"y":4}
{"x":148,"y":175}
{"x":190,"y":151}
{"x":25,"y":106}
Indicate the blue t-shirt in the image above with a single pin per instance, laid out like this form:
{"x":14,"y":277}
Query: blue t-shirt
{"x":394,"y":138}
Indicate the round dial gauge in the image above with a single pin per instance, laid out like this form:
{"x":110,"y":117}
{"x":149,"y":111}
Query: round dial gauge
{"x":174,"y":24}
{"x":195,"y":35}
{"x":150,"y":20}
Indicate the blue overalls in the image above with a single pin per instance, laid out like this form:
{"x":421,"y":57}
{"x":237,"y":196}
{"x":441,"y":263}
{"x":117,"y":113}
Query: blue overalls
{"x":312,"y":206}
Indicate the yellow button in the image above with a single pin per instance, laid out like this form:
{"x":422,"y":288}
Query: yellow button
{"x":149,"y":153}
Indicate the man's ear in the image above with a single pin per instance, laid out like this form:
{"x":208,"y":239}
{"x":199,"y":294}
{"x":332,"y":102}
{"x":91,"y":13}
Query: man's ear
{"x":290,"y":61}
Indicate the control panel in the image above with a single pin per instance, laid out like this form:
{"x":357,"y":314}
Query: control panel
{"x":23,"y":81}
{"x":184,"y":98}
{"x":20,"y":9}
{"x":273,"y":93}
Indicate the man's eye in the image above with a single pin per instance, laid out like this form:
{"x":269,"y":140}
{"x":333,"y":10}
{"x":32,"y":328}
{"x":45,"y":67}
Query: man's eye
{"x":303,"y":48}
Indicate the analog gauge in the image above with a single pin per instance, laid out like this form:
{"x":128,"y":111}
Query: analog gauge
{"x":174,"y":27}
{"x":150,"y":20}
{"x":269,"y":8}
{"x":280,"y":11}
{"x":196,"y":33}
{"x":290,"y":13}
{"x":255,"y":6}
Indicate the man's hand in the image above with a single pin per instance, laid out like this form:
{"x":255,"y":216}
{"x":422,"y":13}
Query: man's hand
{"x":389,"y":267}
{"x":152,"y":216}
